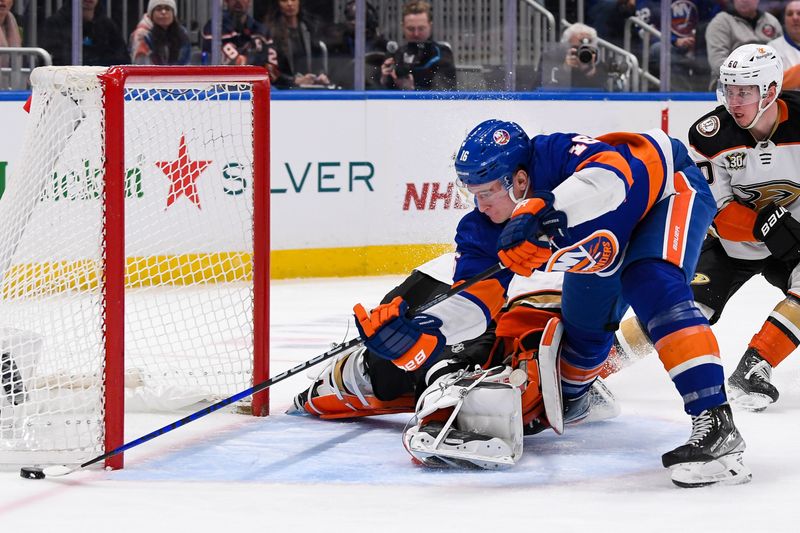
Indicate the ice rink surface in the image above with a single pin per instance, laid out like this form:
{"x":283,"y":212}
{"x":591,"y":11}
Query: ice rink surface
{"x":227,"y":472}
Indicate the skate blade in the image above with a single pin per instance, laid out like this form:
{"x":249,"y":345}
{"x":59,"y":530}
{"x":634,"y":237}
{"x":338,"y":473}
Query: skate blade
{"x":748,"y":402}
{"x":727,"y":470}
{"x":603,"y":404}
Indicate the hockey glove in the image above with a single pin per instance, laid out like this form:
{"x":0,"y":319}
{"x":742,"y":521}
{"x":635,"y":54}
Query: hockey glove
{"x":406,"y":341}
{"x":780,"y":231}
{"x":523,"y":245}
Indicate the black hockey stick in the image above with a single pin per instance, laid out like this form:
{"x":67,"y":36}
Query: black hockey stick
{"x":62,"y":470}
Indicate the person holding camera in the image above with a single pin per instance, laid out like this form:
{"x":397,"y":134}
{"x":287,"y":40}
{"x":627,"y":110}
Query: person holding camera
{"x":422,"y":64}
{"x":580,"y":66}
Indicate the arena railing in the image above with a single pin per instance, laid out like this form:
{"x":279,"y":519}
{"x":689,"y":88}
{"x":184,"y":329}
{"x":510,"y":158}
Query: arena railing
{"x":15,"y":75}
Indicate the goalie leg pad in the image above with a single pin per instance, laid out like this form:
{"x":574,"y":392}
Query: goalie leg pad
{"x":343,"y":390}
{"x":549,"y":374}
{"x":483,"y":426}
{"x":19,"y":354}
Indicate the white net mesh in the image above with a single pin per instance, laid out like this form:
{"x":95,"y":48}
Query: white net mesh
{"x":189,"y":243}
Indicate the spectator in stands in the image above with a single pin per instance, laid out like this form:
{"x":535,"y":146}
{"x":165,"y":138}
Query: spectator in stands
{"x":743,"y":23}
{"x":9,"y":31}
{"x":788,"y":46}
{"x":103,"y":44}
{"x":245,"y":41}
{"x":297,"y":41}
{"x":575,"y":63}
{"x":340,"y":39}
{"x":690,"y":70}
{"x":159,"y":38}
{"x":422,"y":64}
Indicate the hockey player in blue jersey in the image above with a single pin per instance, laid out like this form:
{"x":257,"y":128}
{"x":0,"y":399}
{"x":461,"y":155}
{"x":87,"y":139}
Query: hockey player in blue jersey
{"x":624,"y":216}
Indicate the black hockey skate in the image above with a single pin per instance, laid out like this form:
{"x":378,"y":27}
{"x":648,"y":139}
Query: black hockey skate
{"x":750,"y":385}
{"x":713,"y":453}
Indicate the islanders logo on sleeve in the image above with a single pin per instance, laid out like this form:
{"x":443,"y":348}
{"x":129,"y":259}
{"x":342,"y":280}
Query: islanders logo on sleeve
{"x":501,"y":137}
{"x":590,"y":255}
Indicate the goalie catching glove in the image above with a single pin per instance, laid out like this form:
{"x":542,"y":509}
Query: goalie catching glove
{"x":409,"y":342}
{"x":780,"y":231}
{"x":522,"y":246}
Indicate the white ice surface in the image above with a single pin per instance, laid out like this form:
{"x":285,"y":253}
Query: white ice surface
{"x":228,"y":472}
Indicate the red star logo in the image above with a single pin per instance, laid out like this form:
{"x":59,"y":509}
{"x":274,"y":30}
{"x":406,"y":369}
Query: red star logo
{"x":183,"y":174}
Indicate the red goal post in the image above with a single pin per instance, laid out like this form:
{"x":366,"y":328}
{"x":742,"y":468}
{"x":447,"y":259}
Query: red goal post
{"x":181,"y":282}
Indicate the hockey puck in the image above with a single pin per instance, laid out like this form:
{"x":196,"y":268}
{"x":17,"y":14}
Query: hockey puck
{"x":31,"y":472}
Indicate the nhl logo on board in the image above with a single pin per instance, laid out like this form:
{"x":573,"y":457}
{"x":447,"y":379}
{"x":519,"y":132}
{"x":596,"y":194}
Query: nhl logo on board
{"x":736,"y":160}
{"x":501,"y":137}
{"x":709,"y":127}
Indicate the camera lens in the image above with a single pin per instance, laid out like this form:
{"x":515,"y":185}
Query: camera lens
{"x":585,"y":53}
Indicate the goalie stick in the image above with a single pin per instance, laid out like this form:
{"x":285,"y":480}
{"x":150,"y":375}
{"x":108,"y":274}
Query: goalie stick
{"x":62,"y":470}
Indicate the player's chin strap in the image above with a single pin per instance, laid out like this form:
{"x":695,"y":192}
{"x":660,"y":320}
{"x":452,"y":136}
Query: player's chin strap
{"x":524,"y":193}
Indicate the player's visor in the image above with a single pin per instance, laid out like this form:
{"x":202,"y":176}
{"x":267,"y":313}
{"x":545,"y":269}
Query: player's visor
{"x":739,"y":95}
{"x":484,"y":193}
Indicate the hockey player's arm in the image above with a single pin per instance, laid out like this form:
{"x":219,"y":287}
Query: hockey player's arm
{"x":599,"y":185}
{"x":466,"y":315}
{"x":734,"y":221}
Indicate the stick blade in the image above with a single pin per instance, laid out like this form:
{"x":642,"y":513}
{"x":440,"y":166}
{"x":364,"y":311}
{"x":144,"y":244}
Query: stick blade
{"x":57,"y":470}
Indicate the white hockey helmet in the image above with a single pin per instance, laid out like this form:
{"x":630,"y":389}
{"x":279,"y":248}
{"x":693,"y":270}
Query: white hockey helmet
{"x":751,"y":64}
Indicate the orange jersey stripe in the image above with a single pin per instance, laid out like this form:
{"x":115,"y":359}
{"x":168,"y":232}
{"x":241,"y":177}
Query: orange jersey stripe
{"x":642,"y":149}
{"x":575,"y":374}
{"x":612,"y":159}
{"x":680,"y":211}
{"x":686,"y":344}
{"x":490,"y":292}
{"x":735,"y":222}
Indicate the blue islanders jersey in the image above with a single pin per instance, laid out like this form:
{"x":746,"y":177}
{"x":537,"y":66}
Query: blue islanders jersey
{"x":466,"y":315}
{"x":607,"y":186}
{"x":614,"y":189}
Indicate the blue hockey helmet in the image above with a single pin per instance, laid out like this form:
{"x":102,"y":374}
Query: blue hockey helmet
{"x":493,"y":150}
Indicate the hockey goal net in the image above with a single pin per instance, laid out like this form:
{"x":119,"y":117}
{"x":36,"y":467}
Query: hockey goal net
{"x":133,"y":253}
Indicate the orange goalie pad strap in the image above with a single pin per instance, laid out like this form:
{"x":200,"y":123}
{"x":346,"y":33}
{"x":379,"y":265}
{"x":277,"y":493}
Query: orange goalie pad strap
{"x":735,"y":222}
{"x":521,"y":319}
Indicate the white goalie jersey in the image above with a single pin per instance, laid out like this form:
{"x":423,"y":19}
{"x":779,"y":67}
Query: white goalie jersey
{"x":754,"y":174}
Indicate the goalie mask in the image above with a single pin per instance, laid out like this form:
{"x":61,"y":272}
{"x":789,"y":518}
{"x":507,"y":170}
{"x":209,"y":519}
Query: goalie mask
{"x":489,"y":157}
{"x":746,"y":76}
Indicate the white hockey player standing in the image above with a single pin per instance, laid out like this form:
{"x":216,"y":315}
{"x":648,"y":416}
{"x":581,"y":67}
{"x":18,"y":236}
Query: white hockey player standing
{"x":749,"y":150}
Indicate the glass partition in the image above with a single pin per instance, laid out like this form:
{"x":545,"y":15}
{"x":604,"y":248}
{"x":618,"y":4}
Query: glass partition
{"x":393,"y":45}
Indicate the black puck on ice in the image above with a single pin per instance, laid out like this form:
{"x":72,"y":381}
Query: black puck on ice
{"x":31,"y":472}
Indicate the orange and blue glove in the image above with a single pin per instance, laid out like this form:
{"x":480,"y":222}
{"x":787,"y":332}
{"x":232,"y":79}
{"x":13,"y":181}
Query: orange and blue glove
{"x":523,"y":245}
{"x":406,"y":341}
